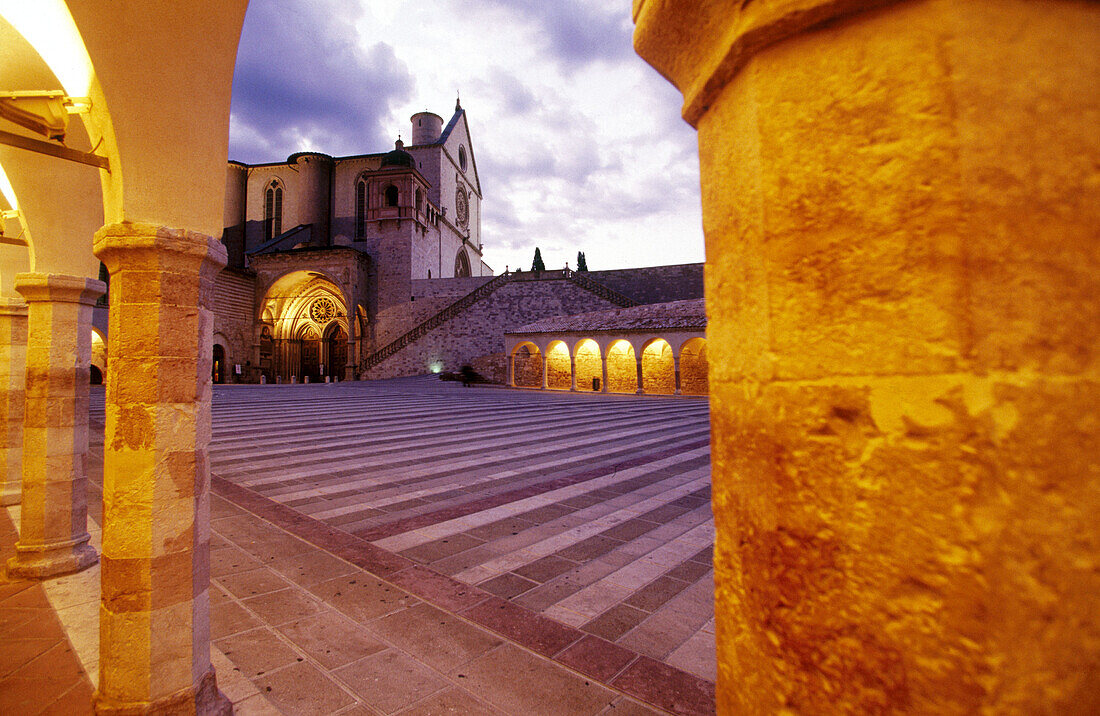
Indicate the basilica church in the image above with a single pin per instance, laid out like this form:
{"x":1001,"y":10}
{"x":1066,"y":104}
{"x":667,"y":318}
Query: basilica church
{"x":370,"y":266}
{"x":324,"y":252}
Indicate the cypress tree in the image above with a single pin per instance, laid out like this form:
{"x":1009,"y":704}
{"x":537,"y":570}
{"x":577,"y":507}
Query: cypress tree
{"x":582,"y":265}
{"x":537,"y":264}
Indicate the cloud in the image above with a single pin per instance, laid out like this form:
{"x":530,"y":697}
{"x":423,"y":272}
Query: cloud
{"x":303,"y":81}
{"x":578,"y":32}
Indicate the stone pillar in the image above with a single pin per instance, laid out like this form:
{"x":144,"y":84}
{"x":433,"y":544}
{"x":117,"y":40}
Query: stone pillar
{"x":545,"y":369}
{"x":572,"y":372}
{"x":13,"y":366}
{"x":603,"y":371}
{"x":641,"y":385}
{"x":900,"y":203}
{"x":676,"y":372}
{"x":512,"y":370}
{"x":53,"y":530}
{"x":154,"y":653}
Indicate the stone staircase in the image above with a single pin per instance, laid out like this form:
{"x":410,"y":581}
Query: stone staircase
{"x":484,"y":290}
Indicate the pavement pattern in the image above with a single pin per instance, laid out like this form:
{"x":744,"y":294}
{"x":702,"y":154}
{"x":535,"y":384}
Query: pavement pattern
{"x":581,"y":524}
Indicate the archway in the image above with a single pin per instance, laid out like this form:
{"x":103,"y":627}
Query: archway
{"x":98,"y":363}
{"x":693,"y":367}
{"x":309,"y":355}
{"x":527,"y":366}
{"x":658,"y":368}
{"x":622,"y":368}
{"x":588,"y":362}
{"x":462,"y":265}
{"x":217,"y":367}
{"x":301,"y":312}
{"x":559,"y":373}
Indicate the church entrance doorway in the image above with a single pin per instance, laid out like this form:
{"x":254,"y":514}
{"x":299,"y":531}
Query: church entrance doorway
{"x":311,"y":360}
{"x":337,"y":352}
{"x":217,"y":369}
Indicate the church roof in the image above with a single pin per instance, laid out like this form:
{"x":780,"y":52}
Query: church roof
{"x":687,"y":315}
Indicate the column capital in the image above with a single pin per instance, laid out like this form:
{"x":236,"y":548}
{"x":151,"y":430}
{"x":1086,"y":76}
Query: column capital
{"x":700,"y":46}
{"x":149,"y":244}
{"x":13,"y":306}
{"x":59,"y":287}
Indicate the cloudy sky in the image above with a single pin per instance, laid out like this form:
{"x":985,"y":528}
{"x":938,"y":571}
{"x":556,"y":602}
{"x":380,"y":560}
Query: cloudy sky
{"x":579,"y":144}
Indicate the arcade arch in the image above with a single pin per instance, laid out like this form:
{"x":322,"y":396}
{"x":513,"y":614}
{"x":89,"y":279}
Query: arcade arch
{"x":98,"y":365}
{"x":589,"y":364}
{"x":658,"y":368}
{"x":693,"y":367}
{"x":559,"y":371}
{"x":622,"y":368}
{"x":526,"y":366}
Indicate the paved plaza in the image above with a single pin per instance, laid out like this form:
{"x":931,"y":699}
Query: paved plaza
{"x":411,"y":546}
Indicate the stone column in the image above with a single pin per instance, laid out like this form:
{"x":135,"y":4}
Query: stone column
{"x":545,"y":369}
{"x":900,"y":202}
{"x":676,"y":372}
{"x":53,"y":530}
{"x":13,"y":366}
{"x":572,"y":372}
{"x":512,"y":370}
{"x":641,"y":386}
{"x":603,"y":371}
{"x":154,"y":653}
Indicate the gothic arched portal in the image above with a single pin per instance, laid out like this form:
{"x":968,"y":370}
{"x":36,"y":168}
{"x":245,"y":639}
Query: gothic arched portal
{"x":462,"y":264}
{"x":306,"y":316}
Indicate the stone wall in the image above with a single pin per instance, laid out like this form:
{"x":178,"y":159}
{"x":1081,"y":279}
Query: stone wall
{"x":457,"y":287}
{"x":479,"y":331}
{"x":234,"y":309}
{"x":654,"y":284}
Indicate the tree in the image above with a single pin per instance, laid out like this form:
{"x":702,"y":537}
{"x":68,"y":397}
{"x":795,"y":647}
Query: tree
{"x":582,"y":265}
{"x":537,"y":264}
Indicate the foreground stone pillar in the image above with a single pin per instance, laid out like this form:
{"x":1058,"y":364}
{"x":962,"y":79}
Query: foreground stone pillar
{"x":676,"y":372}
{"x":13,"y":366}
{"x":545,"y":369}
{"x":603,"y":371}
{"x":511,"y":371}
{"x":641,"y":385}
{"x":572,"y":372}
{"x":53,"y":530}
{"x":903,"y":283}
{"x":154,"y":653}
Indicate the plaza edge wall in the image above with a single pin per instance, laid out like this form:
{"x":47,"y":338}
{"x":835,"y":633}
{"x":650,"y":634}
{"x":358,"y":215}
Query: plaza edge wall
{"x":479,"y":331}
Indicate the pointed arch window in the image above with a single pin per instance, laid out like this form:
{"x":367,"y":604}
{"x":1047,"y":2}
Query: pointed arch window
{"x":360,"y":208}
{"x":462,"y":265}
{"x":273,"y":210}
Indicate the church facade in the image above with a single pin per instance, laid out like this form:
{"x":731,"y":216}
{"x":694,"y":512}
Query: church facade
{"x":324,"y":251}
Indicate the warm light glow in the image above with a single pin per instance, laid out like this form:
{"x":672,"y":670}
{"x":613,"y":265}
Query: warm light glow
{"x":6,"y":189}
{"x":588,"y":347}
{"x":49,"y":28}
{"x":559,"y":348}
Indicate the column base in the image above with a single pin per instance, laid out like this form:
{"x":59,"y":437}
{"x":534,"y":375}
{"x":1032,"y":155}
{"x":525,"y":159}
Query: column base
{"x":11,"y":496}
{"x":203,"y":699}
{"x":40,"y":562}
